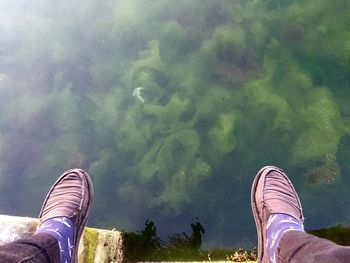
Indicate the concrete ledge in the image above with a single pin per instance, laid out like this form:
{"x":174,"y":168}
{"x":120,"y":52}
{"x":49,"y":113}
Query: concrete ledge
{"x":96,"y":245}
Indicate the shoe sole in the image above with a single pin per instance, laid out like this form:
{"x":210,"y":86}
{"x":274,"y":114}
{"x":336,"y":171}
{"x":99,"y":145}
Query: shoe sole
{"x":89,"y":205}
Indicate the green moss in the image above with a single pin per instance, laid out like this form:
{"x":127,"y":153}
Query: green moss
{"x":90,"y":244}
{"x":221,"y":135}
{"x":168,"y":118}
{"x":225,"y":38}
{"x":149,"y":62}
{"x":172,"y":42}
{"x":323,"y":123}
{"x":173,"y":162}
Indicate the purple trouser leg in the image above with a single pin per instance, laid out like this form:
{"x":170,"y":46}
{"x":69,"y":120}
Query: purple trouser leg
{"x":300,"y":247}
{"x":41,"y":248}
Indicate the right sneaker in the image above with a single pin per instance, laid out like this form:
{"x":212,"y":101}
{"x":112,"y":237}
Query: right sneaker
{"x":70,"y":196}
{"x":272,"y":193}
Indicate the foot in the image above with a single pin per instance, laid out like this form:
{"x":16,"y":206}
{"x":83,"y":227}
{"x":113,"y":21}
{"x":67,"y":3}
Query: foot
{"x":273,"y":194}
{"x":70,"y":199}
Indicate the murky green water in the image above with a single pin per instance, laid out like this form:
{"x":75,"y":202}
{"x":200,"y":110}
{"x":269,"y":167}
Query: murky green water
{"x":173,"y":106}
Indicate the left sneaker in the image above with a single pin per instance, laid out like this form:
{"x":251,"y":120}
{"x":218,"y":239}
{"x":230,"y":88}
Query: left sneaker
{"x":71,"y":196}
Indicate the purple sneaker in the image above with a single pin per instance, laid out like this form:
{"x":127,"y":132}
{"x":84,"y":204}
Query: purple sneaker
{"x":272,"y":193}
{"x":71,"y":196}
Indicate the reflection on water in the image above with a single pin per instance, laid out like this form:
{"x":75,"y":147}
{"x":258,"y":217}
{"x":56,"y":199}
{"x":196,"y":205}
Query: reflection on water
{"x":173,"y":108}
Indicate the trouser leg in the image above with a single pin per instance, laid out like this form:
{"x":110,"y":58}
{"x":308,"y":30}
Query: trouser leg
{"x":299,"y":247}
{"x":41,"y":248}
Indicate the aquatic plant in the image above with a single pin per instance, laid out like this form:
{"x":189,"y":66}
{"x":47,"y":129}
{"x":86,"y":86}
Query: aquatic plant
{"x":227,"y":86}
{"x":222,"y":134}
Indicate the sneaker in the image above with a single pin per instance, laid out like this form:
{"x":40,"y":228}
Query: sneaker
{"x":71,"y":196}
{"x":272,"y":192}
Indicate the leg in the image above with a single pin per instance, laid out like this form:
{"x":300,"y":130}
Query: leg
{"x":63,"y":216}
{"x":276,"y":209}
{"x":66,"y":210}
{"x":279,"y":220}
{"x":35,"y":249}
{"x":301,"y":247}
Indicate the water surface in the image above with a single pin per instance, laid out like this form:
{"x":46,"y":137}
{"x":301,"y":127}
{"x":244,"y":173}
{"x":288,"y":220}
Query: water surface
{"x":223,"y":88}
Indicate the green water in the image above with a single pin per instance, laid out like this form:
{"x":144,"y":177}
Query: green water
{"x":225,"y":87}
